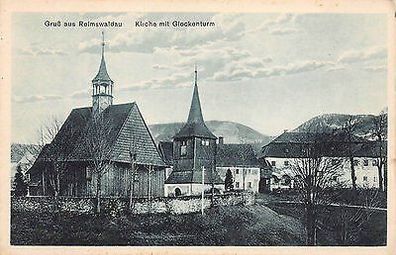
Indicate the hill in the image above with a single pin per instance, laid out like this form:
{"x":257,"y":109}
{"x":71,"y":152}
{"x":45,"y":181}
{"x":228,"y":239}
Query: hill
{"x":231,"y":131}
{"x":329,"y":122}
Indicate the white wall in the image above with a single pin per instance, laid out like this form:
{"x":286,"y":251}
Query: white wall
{"x":366,"y":175}
{"x":243,"y":177}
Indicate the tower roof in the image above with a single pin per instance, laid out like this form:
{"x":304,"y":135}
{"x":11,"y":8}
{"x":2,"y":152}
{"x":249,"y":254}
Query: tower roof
{"x":102,"y":73}
{"x":195,"y":125}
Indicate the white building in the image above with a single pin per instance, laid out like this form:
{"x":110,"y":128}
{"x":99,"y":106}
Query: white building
{"x":284,"y":150}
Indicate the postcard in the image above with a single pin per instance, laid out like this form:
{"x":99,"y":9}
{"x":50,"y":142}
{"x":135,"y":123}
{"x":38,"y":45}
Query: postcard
{"x":202,"y":128}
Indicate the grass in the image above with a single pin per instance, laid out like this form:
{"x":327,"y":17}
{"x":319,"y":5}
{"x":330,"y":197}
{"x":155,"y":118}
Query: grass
{"x":234,"y":225}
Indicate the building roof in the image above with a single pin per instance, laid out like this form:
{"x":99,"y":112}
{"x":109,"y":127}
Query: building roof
{"x":126,"y":131}
{"x":295,"y":145}
{"x":195,"y":125}
{"x":227,"y":155}
{"x":102,"y":74}
{"x":236,"y":155}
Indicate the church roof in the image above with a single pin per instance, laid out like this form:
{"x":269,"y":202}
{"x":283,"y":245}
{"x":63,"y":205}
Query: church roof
{"x":126,"y":131}
{"x":102,"y":74}
{"x":195,"y":126}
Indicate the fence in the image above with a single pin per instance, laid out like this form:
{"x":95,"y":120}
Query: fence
{"x":86,"y":205}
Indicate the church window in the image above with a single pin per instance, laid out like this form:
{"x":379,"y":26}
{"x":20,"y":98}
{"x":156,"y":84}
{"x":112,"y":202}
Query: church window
{"x":375,"y":162}
{"x":273,"y":163}
{"x":249,"y":185}
{"x":365,"y":162}
{"x":236,"y":171}
{"x":183,"y":148}
{"x":237,"y":185}
{"x":205,"y":142}
{"x":355,"y":162}
{"x":286,"y":163}
{"x":364,"y":178}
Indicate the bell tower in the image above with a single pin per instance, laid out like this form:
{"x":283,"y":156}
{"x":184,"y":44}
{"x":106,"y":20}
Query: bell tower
{"x":102,"y":86}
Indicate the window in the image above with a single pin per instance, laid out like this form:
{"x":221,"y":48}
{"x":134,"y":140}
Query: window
{"x":375,"y":162}
{"x":365,"y":162}
{"x":286,"y":163}
{"x":205,"y":142}
{"x":237,"y":185}
{"x":364,"y":178}
{"x":249,"y":185}
{"x":249,"y":171}
{"x":355,"y":162}
{"x":88,"y":173}
{"x":273,"y":163}
{"x":236,"y":171}
{"x":183,"y":148}
{"x":375,"y":179}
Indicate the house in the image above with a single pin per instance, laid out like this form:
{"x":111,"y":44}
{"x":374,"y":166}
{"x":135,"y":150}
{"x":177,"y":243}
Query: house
{"x":239,"y":158}
{"x":243,"y":163}
{"x":282,"y":152}
{"x":23,"y":156}
{"x":194,"y":146}
{"x":115,"y":136}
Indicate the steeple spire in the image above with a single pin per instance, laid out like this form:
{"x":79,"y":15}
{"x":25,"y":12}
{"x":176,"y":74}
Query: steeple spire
{"x":102,"y":73}
{"x":195,"y":114}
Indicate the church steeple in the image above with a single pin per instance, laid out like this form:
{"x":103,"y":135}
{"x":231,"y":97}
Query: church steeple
{"x":195,"y":114}
{"x":195,"y":125}
{"x":102,"y":86}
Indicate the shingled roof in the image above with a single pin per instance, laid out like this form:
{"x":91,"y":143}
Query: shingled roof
{"x":195,"y":126}
{"x":127,"y":132}
{"x":295,"y":144}
{"x":236,"y":155}
{"x":227,"y":155}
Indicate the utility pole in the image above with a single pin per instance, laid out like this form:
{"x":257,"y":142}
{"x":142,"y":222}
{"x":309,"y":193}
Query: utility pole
{"x":203,"y":190}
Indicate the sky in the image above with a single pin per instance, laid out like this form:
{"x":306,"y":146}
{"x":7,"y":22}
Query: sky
{"x":269,"y":71}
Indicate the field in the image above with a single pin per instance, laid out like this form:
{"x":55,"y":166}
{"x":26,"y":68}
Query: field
{"x":260,"y":224}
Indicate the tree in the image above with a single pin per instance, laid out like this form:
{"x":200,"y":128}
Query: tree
{"x":20,"y":184}
{"x":379,"y":134}
{"x":97,"y":147}
{"x":348,"y":130}
{"x":316,"y":171}
{"x":229,"y":181}
{"x":46,"y":134}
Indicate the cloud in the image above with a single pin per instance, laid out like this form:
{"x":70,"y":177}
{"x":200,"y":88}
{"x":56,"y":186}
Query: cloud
{"x":283,"y":24}
{"x":35,"y":50}
{"x":283,"y":31}
{"x":35,"y":98}
{"x":372,"y":53}
{"x":375,"y":68}
{"x":240,"y":73}
{"x":175,"y":80}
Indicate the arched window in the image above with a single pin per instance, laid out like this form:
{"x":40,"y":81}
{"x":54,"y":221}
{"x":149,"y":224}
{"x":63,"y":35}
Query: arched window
{"x":177,"y":192}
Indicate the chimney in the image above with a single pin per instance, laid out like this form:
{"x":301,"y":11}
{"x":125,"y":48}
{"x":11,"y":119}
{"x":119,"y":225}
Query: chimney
{"x":221,"y":140}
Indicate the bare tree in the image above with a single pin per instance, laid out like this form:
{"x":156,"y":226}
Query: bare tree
{"x":46,"y":134}
{"x":380,"y":135}
{"x":348,"y":223}
{"x":97,"y":146}
{"x":348,"y":129}
{"x":316,"y":184}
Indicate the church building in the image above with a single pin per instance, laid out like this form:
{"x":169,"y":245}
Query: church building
{"x":105,"y":146}
{"x":194,"y":155}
